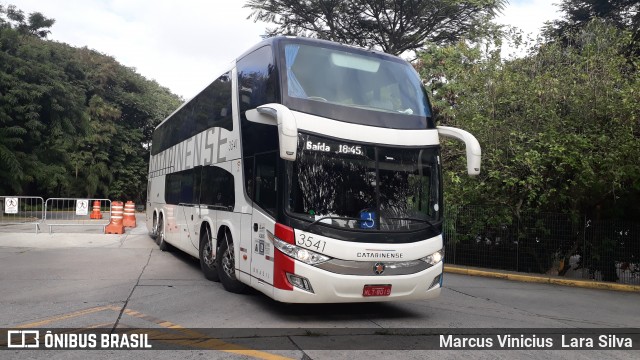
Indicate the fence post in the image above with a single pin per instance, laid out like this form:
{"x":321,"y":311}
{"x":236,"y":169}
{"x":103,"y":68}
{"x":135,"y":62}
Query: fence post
{"x":518,"y":244}
{"x":583,"y":258}
{"x":21,"y":210}
{"x":75,"y":212}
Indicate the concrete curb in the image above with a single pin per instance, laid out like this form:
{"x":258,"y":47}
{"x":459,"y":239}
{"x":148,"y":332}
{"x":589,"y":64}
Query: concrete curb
{"x":541,"y":279}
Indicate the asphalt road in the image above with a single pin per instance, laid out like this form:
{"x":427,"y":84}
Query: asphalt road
{"x":90,"y":280}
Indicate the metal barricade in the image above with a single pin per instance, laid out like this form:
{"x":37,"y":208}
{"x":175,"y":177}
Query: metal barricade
{"x":16,"y":211}
{"x":77,"y":212}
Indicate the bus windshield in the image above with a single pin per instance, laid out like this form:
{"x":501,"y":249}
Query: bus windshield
{"x":351,"y":79}
{"x":364,"y":187}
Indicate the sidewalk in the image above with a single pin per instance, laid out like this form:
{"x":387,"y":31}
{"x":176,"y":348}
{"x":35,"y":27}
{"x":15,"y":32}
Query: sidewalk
{"x":77,"y":236}
{"x":538,"y":278}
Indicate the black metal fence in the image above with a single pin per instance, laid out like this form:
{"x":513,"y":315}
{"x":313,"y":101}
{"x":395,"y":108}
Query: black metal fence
{"x":544,"y":243}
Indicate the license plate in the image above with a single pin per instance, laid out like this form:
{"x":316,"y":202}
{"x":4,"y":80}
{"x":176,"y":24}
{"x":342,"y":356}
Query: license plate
{"x":376,"y":290}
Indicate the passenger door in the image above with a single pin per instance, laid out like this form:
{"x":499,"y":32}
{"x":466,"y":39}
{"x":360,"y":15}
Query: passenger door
{"x":263,"y":218}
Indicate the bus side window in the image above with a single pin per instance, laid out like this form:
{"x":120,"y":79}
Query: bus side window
{"x":217,"y":187}
{"x":248,"y":177}
{"x":172,"y":189}
{"x":266,"y":181}
{"x":257,"y":85}
{"x":186,"y":187}
{"x":227,"y":190}
{"x":213,"y":104}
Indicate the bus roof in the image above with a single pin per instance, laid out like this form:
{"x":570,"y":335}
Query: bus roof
{"x":275,"y":42}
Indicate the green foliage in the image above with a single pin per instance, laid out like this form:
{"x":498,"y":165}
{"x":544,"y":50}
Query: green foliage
{"x":622,"y":14}
{"x":34,"y":24}
{"x":559,"y":128}
{"x":73,"y":122}
{"x":394,"y":26}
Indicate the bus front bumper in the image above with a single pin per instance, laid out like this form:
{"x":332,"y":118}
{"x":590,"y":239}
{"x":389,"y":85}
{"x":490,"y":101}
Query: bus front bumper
{"x":330,"y":287}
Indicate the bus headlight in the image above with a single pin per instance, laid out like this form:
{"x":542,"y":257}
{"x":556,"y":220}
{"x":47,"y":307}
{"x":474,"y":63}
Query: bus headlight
{"x":298,"y":253}
{"x":434,"y":258}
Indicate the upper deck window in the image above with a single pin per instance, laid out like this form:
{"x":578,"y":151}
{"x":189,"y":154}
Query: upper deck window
{"x":334,"y":82}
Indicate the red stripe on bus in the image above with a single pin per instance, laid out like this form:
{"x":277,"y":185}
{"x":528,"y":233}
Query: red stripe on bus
{"x":283,"y":264}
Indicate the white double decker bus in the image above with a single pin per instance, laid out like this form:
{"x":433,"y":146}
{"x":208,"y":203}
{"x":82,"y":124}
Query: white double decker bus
{"x":309,"y":171}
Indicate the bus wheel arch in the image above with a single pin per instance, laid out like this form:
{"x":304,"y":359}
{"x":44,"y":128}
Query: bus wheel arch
{"x":225,"y":262}
{"x":208,"y":263}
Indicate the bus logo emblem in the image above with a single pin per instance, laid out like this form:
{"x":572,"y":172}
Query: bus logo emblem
{"x":378,"y":268}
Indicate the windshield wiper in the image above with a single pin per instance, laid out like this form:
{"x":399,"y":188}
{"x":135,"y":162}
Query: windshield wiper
{"x":330,"y":217}
{"x":375,"y":108}
{"x":431,"y":225}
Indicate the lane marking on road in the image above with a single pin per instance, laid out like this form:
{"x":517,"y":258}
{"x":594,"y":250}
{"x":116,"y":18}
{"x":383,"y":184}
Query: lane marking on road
{"x":29,"y":338}
{"x":108,"y":325}
{"x":62,"y":317}
{"x":202,"y":340}
{"x":198,"y":339}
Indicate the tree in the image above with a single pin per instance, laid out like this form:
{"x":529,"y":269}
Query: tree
{"x":35,"y":24}
{"x":623,"y":14}
{"x":73,"y":122}
{"x":559,"y":130}
{"x":558,"y":127}
{"x":393,"y":26}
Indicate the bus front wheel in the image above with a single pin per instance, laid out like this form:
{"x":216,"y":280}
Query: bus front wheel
{"x":226,"y":265}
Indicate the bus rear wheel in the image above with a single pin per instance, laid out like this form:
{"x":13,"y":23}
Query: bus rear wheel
{"x":207,"y":259}
{"x":226,"y":265}
{"x":162,"y":243}
{"x":154,"y":229}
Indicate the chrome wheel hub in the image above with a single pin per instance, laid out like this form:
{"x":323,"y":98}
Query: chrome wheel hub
{"x":208,"y":254}
{"x":228,"y":262}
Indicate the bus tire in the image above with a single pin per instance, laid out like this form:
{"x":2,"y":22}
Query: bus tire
{"x":207,"y":261}
{"x":226,"y":265}
{"x":162,"y":243}
{"x":154,"y":229}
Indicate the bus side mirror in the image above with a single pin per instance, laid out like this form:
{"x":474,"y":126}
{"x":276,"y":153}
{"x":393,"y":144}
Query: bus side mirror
{"x":474,"y":152}
{"x":280,"y":115}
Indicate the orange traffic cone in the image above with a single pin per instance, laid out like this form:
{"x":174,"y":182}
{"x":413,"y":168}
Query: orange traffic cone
{"x":115,"y":226}
{"x":96,"y":214}
{"x":129,"y":214}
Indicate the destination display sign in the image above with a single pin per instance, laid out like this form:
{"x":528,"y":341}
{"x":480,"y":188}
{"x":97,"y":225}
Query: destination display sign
{"x":314,"y":144}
